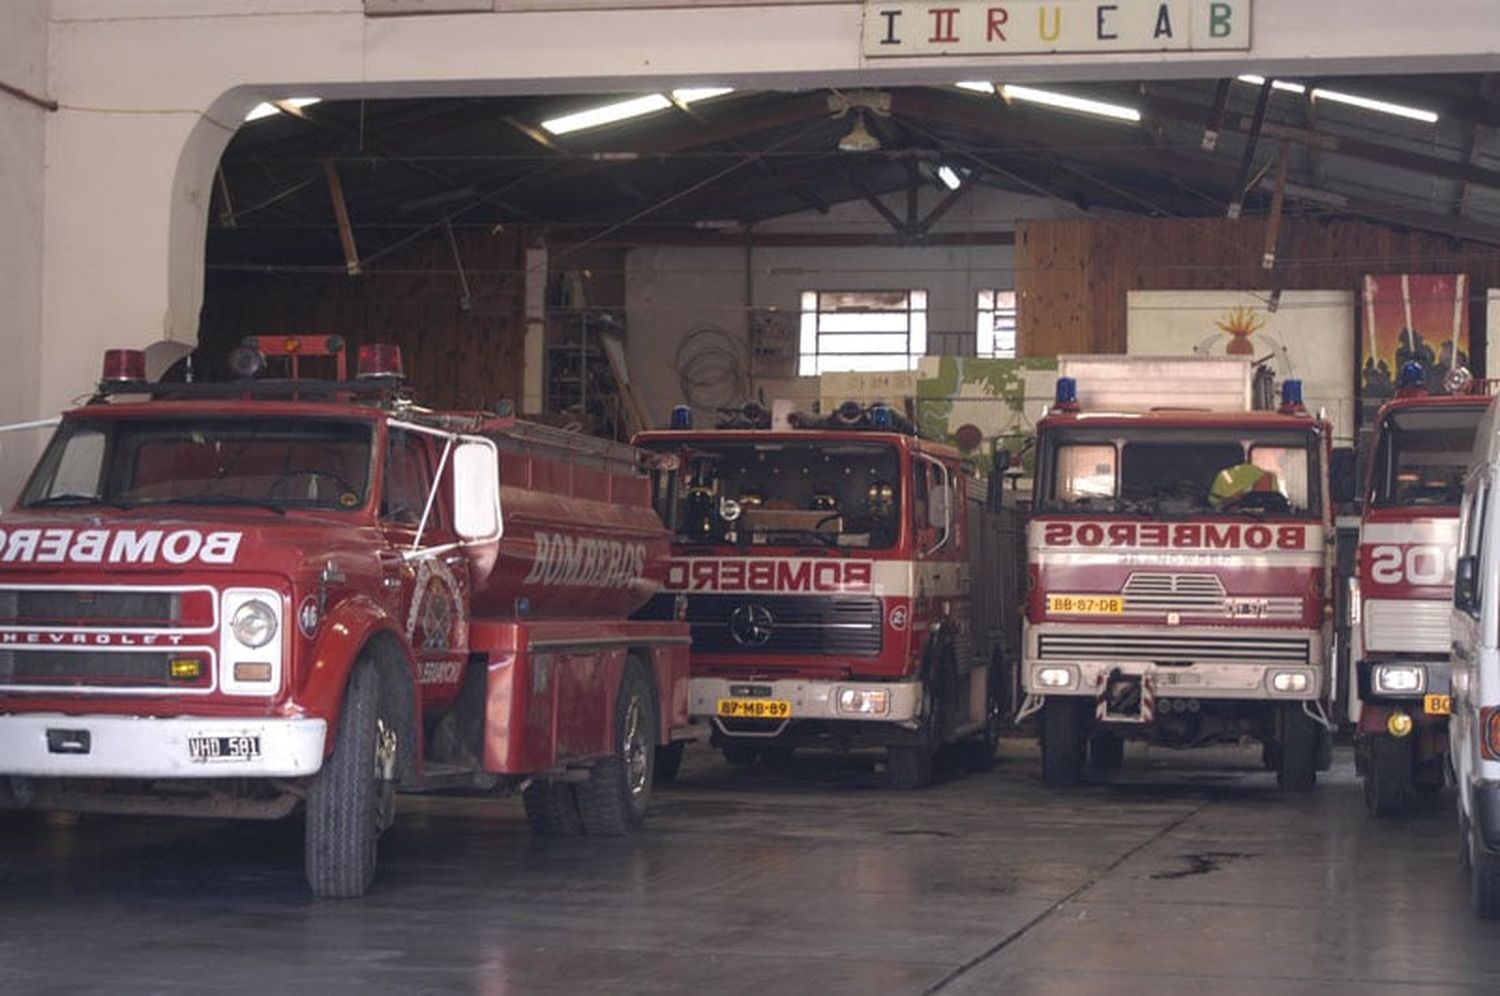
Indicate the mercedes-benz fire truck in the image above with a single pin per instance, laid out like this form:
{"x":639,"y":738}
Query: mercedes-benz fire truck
{"x":1408,"y":539}
{"x":1180,"y":567}
{"x":243,"y":599}
{"x":844,"y":582}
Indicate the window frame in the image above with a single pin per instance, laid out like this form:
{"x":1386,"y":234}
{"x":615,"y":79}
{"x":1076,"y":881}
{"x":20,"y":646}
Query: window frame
{"x":987,"y":312}
{"x":814,"y":360}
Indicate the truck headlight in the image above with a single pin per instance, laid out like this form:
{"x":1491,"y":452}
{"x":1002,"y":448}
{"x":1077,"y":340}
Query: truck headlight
{"x":254,"y":624}
{"x":864,"y":701}
{"x":1289,"y":681}
{"x":1398,"y":679}
{"x":1054,"y":676}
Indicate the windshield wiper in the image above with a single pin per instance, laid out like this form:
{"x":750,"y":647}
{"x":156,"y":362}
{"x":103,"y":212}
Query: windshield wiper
{"x":217,"y":500}
{"x":77,"y":498}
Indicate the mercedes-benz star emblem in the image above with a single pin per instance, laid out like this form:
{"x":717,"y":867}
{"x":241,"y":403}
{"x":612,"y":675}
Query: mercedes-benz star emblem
{"x":750,"y":625}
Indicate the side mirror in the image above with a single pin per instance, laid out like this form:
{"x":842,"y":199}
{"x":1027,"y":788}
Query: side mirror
{"x":1466,"y":585}
{"x":476,"y":491}
{"x":1342,"y":480}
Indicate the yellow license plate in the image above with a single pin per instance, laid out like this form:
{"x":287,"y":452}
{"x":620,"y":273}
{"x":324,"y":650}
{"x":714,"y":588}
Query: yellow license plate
{"x":1086,"y":604}
{"x":755,"y":708}
{"x":1437,"y":705}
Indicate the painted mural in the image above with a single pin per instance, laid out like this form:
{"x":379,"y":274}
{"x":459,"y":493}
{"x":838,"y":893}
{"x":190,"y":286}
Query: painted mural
{"x":1412,"y":316}
{"x":1308,"y":335}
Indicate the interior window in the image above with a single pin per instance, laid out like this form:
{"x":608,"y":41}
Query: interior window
{"x":1290,"y":467}
{"x":1085,"y":471}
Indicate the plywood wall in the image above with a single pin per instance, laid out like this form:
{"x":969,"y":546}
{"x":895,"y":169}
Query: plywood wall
{"x":455,"y":356}
{"x":1072,"y":277}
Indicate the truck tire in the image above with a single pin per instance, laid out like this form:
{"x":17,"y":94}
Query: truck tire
{"x":1106,"y":751}
{"x":669,"y":760}
{"x":552,"y":809}
{"x":1389,"y":790}
{"x":978,"y":753}
{"x":1297,"y":754}
{"x":911,"y":766}
{"x":1062,"y":741}
{"x":1484,"y":879}
{"x":350,"y":800}
{"x":613,"y":801}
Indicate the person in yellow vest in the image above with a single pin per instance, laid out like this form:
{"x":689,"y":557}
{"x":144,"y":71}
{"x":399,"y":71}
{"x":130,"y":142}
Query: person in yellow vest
{"x":1233,"y":483}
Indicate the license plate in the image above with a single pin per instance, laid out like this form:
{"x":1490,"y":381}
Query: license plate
{"x":1437,"y":705}
{"x":223,"y":748}
{"x":755,"y":708}
{"x":1086,"y":604}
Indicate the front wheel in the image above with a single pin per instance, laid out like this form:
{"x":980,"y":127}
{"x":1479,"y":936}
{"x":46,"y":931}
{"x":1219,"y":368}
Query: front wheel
{"x":1297,"y":753}
{"x":1389,"y":789}
{"x":614,"y":799}
{"x":911,"y":766}
{"x":1062,"y":742}
{"x":351,"y":801}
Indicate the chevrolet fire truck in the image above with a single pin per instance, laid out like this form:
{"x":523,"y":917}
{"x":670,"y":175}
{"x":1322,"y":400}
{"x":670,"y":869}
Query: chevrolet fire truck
{"x":1180,"y":567}
{"x":242,"y":599}
{"x":1408,"y":538}
{"x":844,"y":580}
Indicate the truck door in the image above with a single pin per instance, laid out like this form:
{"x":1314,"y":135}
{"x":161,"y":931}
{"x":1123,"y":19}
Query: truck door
{"x":422,"y":560}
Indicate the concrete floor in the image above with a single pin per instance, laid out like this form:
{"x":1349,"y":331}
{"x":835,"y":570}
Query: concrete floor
{"x":1179,"y":876}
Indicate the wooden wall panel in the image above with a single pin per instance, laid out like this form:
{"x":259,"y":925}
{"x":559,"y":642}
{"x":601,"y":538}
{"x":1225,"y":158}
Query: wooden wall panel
{"x":1072,"y":277}
{"x":455,"y":356}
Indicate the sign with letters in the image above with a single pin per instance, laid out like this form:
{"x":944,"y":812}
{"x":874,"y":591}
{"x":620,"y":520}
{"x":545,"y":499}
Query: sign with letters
{"x":994,"y":27}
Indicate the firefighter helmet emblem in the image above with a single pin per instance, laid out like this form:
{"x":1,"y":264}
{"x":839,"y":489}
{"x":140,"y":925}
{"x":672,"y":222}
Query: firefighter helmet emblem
{"x":750,"y":625}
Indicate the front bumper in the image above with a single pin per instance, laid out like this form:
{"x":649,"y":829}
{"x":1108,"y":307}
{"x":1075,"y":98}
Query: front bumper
{"x":1228,"y":682}
{"x":808,"y":699}
{"x":53,"y":745}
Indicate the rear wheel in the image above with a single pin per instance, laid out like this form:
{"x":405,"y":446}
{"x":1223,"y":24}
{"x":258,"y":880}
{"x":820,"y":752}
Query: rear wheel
{"x":978,"y":753}
{"x":1297,"y":754}
{"x":1062,"y":741}
{"x":1389,"y":790}
{"x":552,"y":809}
{"x":1106,"y":751}
{"x":614,"y":799}
{"x":351,"y":801}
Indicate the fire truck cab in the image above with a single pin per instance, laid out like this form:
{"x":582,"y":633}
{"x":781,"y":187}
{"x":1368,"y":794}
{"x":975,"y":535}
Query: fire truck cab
{"x":243,"y":599}
{"x":845,"y":587}
{"x":1180,"y":566}
{"x":1401,"y":639}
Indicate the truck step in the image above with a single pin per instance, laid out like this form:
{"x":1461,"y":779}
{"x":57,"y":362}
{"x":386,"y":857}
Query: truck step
{"x":447,"y":777}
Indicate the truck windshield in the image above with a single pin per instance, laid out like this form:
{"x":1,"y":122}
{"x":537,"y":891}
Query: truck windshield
{"x":838,"y":494}
{"x":1179,"y":471}
{"x":1421,"y":455}
{"x":278,"y":462}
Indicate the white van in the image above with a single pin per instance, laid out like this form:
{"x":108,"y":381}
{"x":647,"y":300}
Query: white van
{"x":1474,"y":726}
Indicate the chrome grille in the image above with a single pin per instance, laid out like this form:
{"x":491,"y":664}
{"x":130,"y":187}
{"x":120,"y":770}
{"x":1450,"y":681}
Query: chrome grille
{"x":149,"y":668}
{"x":1146,"y":592}
{"x":86,"y":607}
{"x":1174,"y":647}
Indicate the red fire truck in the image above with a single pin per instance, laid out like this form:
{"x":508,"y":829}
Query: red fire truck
{"x":1180,"y":568}
{"x":241,"y":599}
{"x":1408,"y":537}
{"x":844,"y":584}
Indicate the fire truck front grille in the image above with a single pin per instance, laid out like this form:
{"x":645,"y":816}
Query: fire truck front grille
{"x":786,"y":624}
{"x":1176,"y":648}
{"x":95,"y":668}
{"x":82,"y":607}
{"x":1174,"y":593}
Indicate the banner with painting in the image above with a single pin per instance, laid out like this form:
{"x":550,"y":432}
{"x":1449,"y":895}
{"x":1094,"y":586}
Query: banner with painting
{"x":1309,"y":335}
{"x":1412,"y":316}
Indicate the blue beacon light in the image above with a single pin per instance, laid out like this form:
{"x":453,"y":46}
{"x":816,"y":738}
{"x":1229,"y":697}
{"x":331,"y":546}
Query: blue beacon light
{"x":682,"y":417}
{"x":880,"y":416}
{"x":1066,"y":397}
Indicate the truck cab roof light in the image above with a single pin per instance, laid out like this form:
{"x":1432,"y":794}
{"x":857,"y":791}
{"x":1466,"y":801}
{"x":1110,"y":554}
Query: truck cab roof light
{"x":246,"y":360}
{"x":1066,"y":396}
{"x":124,"y":365}
{"x":880,"y":416}
{"x":1291,"y":397}
{"x":378,"y":359}
{"x":1411,"y":381}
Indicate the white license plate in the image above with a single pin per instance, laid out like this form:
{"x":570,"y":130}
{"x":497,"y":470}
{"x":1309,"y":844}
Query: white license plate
{"x":223,"y":748}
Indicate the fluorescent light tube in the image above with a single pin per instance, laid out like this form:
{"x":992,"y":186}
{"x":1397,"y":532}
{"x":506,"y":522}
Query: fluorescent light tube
{"x":978,"y":86}
{"x":950,"y":177}
{"x":267,"y":109}
{"x":1254,"y":80}
{"x":622,"y":110}
{"x":1066,"y":102}
{"x":1380,"y":106}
